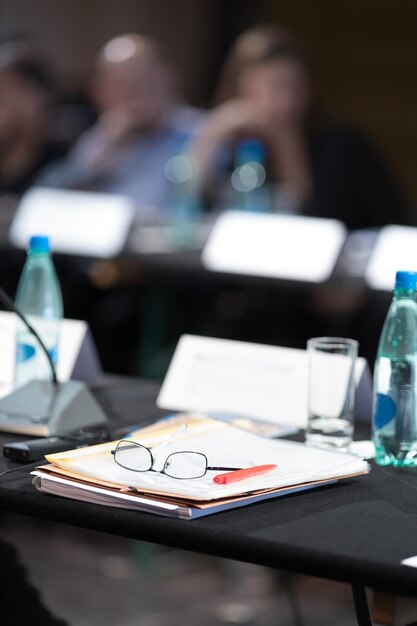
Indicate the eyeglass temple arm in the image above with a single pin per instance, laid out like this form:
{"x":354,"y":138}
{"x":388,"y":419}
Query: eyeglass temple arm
{"x":174,"y":435}
{"x":221,"y":469}
{"x":164,"y":443}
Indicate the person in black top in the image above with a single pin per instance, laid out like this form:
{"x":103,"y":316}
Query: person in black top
{"x":27,"y":97}
{"x":320,"y":167}
{"x":314,"y":166}
{"x":350,"y":180}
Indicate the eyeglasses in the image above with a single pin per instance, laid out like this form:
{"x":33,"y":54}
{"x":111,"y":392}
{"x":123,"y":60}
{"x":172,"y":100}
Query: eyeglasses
{"x":185,"y":464}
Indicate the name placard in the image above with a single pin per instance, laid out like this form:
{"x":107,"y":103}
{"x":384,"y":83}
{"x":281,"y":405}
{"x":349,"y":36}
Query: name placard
{"x":258,"y":381}
{"x":77,"y":354}
{"x":395,"y":249}
{"x":274,"y":246}
{"x":77,"y":222}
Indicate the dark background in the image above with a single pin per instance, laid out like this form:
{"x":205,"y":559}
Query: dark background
{"x":362,"y":53}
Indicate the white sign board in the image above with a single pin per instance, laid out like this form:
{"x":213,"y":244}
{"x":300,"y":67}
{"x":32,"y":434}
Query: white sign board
{"x":77,"y":356}
{"x":275,"y":246}
{"x":77,"y":222}
{"x":395,"y":250}
{"x":268,"y":383}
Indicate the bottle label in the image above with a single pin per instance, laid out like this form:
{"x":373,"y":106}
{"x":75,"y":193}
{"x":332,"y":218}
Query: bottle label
{"x":24,"y":352}
{"x":31,"y":362}
{"x":53,"y":353}
{"x":385,"y":410}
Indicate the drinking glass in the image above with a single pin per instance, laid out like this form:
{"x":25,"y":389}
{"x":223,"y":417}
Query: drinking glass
{"x":331,"y":391}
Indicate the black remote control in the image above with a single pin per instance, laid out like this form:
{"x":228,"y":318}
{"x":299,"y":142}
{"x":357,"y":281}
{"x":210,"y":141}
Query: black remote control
{"x":35,"y":449}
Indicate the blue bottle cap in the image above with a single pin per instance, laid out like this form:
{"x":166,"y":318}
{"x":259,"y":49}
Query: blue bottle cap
{"x":251,"y":149}
{"x":39,"y":243}
{"x":406,"y":280}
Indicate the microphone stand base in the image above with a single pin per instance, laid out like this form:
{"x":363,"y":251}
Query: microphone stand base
{"x":43,"y":408}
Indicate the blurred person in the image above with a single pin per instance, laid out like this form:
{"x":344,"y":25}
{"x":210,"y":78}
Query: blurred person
{"x":27,"y":144}
{"x":27,"y":97}
{"x":71,"y":112}
{"x":314,"y":166}
{"x":141,"y":123}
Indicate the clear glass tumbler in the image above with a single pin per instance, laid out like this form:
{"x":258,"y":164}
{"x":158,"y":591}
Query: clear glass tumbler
{"x":331,"y":391}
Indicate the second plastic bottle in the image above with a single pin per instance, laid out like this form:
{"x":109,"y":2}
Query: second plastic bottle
{"x":39,"y":298}
{"x":395,"y":383}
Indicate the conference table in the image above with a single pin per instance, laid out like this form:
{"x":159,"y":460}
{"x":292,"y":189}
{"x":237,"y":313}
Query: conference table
{"x":190,"y":298}
{"x":152,"y":275}
{"x":357,"y":531}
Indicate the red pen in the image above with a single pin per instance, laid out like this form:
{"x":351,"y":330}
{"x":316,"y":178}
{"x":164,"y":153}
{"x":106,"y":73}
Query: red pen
{"x":233,"y":477}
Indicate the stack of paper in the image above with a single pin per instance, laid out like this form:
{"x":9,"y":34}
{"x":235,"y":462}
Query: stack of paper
{"x":91,"y":474}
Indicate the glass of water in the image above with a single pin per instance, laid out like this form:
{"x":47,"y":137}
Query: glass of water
{"x":331,"y":391}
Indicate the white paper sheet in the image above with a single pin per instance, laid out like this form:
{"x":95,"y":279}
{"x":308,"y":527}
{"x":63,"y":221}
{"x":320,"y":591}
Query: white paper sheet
{"x":66,"y":488}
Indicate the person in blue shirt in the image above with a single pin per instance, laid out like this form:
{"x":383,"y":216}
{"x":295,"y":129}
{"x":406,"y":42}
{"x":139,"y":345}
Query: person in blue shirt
{"x":141,"y":118}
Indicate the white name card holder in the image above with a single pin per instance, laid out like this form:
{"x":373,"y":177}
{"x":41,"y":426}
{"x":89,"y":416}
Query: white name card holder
{"x":275,"y":246}
{"x":77,"y":355}
{"x":395,"y":249}
{"x":266,"y":383}
{"x":77,"y":222}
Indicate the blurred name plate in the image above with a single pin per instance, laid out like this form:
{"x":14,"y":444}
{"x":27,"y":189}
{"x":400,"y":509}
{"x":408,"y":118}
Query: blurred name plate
{"x":274,"y":246}
{"x":77,"y":222}
{"x":395,"y":249}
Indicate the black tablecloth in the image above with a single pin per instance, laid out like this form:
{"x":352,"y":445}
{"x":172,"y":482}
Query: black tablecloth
{"x":357,"y":531}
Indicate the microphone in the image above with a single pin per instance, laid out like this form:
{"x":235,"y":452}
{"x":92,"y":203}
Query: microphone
{"x":44,"y":408}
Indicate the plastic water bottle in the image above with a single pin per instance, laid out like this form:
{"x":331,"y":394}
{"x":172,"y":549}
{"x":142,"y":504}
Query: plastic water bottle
{"x":39,"y":298}
{"x":249,"y":177}
{"x":395,"y":384}
{"x":184,"y":203}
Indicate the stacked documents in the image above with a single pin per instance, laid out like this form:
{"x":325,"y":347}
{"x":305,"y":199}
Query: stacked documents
{"x":92,"y":475}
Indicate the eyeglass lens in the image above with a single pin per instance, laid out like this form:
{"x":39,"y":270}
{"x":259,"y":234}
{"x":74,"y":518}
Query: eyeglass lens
{"x":133,"y":456}
{"x":185,"y":465}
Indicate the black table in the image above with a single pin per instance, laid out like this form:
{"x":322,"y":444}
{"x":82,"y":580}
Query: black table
{"x":118,"y":298}
{"x":356,"y":532}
